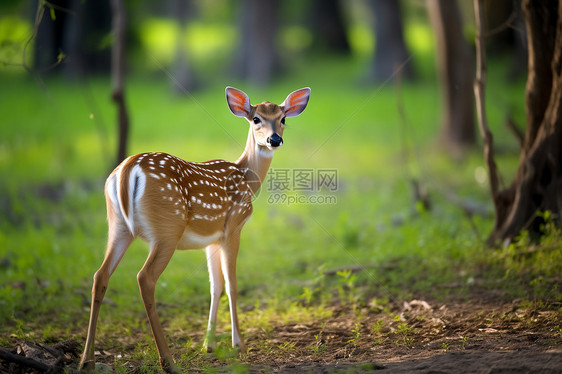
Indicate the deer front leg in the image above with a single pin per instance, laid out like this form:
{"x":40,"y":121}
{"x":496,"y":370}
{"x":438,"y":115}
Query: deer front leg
{"x":160,"y":255}
{"x":229,"y":252}
{"x":216,"y":280}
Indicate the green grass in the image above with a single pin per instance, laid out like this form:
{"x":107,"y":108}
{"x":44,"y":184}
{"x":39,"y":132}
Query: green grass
{"x":62,"y":138}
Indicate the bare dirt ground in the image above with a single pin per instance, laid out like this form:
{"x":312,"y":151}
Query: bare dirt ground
{"x":482,"y":336}
{"x":442,"y":338}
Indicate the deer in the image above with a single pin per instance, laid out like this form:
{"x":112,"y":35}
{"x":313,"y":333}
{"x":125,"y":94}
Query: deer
{"x":174,"y":204}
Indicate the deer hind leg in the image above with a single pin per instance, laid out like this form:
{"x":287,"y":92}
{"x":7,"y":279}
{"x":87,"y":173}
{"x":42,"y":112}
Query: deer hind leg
{"x":119,"y":239}
{"x":229,"y":252}
{"x":158,"y":259}
{"x":216,"y":279}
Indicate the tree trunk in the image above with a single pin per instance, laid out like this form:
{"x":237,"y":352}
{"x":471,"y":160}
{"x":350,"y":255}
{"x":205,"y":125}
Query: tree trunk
{"x":328,"y":27}
{"x":455,"y":73}
{"x":78,"y":31}
{"x":538,"y":183}
{"x":49,"y":38}
{"x":257,"y":58}
{"x":391,"y":51}
{"x":118,"y":76}
{"x":183,"y":72}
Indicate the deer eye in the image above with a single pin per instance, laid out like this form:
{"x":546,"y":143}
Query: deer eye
{"x":256,"y":120}
{"x":283,"y":120}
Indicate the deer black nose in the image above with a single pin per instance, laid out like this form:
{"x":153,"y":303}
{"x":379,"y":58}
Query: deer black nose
{"x":275,"y":140}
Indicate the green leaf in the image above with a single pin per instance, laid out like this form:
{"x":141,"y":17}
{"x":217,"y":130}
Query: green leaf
{"x":53,"y":16}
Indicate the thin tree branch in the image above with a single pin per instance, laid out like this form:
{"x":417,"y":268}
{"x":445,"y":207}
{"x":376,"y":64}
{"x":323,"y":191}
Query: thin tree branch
{"x":505,"y":25}
{"x":42,"y":4}
{"x":479,"y":94}
{"x":118,"y":75}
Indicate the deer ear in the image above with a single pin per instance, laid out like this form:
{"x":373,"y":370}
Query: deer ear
{"x":296,"y":102}
{"x":238,"y":102}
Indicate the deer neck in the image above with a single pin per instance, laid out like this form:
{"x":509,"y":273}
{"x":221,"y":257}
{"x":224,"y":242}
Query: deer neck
{"x":257,"y":160}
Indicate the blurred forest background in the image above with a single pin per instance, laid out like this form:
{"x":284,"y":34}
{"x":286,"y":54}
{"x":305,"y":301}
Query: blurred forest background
{"x":392,"y":110}
{"x":193,"y":46}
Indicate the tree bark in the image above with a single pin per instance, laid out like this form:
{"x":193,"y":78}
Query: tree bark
{"x":118,"y":76}
{"x":538,"y":183}
{"x":257,"y":58}
{"x":328,"y":27}
{"x":183,"y":71}
{"x":540,"y":20}
{"x":390,"y":47}
{"x":455,"y":73}
{"x":500,"y":203}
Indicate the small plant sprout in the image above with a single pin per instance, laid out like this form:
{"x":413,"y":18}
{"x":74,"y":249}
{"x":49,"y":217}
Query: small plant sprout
{"x":377,"y":326}
{"x":346,"y":280}
{"x":319,"y":345}
{"x":287,"y":346}
{"x":357,"y":332}
{"x":403,"y":330}
{"x":307,"y":295}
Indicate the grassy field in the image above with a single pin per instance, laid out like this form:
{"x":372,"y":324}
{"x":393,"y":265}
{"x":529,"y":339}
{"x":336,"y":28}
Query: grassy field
{"x":366,"y":244}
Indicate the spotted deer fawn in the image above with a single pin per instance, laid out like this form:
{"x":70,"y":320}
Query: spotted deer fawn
{"x":174,"y":204}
